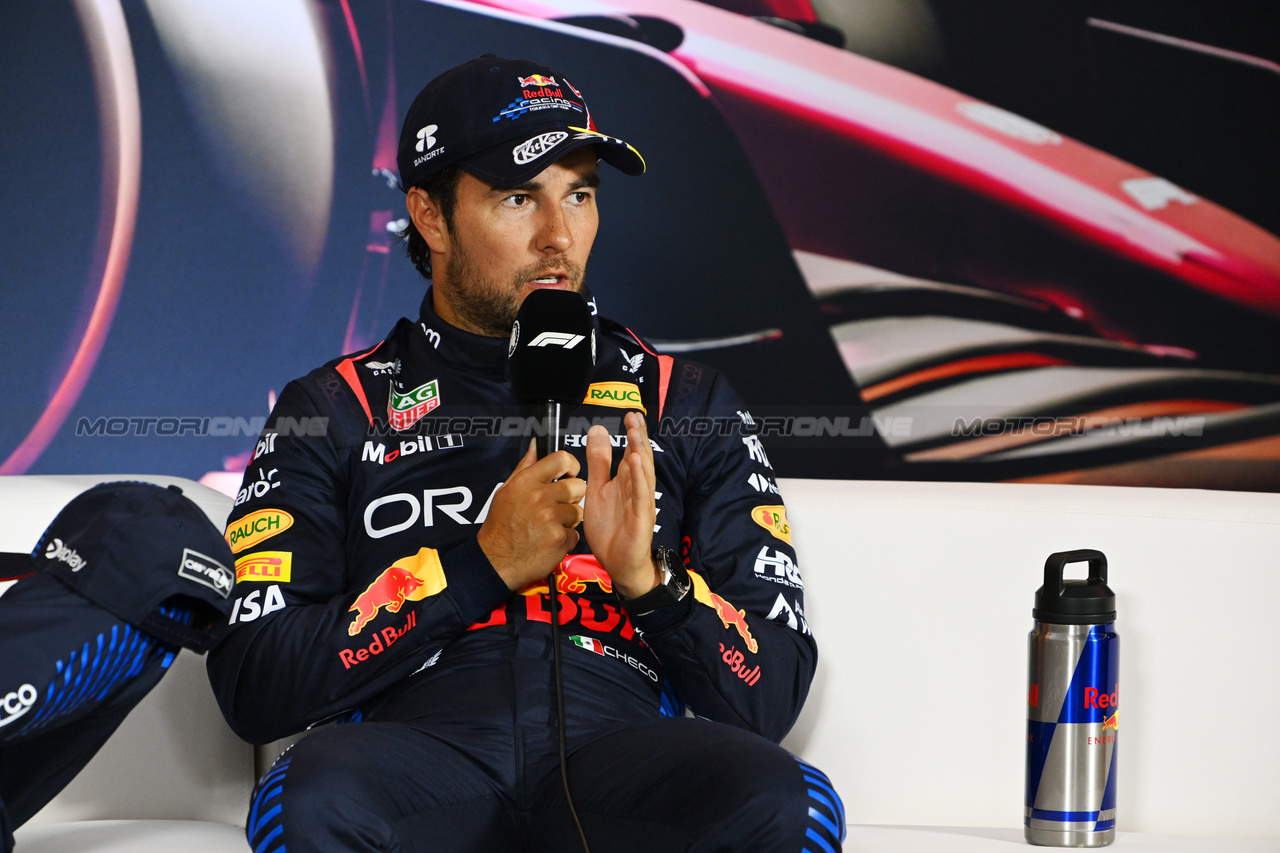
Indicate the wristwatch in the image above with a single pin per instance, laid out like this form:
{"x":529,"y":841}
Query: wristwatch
{"x":673,"y":587}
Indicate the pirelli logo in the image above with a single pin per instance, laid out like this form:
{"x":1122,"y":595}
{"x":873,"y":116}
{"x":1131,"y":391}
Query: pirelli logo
{"x":619,"y":395}
{"x":274,"y":566}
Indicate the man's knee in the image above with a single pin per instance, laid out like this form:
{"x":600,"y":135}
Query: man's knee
{"x":824,"y":812}
{"x":766,"y":798}
{"x":788,"y":801}
{"x":308,"y":796}
{"x":264,"y":826}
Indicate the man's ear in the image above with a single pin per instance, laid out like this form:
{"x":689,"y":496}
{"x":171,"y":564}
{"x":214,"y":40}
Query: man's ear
{"x":425,"y":214}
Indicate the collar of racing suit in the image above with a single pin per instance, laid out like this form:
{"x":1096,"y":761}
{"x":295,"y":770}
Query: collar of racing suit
{"x":469,"y":350}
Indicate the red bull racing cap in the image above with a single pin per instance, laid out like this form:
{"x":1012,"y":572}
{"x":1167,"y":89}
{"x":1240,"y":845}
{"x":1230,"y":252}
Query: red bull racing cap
{"x":502,"y":120}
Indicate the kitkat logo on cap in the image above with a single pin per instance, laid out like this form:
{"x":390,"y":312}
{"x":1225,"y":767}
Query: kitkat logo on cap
{"x":532,"y":149}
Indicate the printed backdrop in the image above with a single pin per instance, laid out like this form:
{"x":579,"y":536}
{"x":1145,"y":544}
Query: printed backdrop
{"x":943,"y":239}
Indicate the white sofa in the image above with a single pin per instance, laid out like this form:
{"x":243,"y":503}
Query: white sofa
{"x":920,"y":595}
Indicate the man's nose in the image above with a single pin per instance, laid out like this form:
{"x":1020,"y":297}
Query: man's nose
{"x":555,"y":235}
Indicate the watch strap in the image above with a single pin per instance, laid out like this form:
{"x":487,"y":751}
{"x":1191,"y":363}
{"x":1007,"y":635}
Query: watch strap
{"x":673,"y":587}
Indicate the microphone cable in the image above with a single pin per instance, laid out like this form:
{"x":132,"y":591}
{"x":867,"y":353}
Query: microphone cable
{"x":559,"y":679}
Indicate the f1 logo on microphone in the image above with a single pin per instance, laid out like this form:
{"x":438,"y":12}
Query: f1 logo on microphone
{"x":556,"y":339}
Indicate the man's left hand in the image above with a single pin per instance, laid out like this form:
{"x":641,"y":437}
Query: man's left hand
{"x":619,"y":513}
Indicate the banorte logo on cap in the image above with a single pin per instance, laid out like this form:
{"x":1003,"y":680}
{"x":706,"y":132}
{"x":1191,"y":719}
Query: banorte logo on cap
{"x":425,"y":139}
{"x":426,"y":144}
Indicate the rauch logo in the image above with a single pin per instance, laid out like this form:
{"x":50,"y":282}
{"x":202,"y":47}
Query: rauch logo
{"x":257,"y":527}
{"x":619,"y":395}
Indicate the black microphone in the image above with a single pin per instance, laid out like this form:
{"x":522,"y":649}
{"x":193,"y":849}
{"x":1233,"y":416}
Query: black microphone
{"x":552,"y":355}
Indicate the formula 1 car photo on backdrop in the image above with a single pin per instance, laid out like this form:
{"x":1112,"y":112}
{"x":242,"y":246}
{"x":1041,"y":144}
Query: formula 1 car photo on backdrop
{"x":906,"y":281}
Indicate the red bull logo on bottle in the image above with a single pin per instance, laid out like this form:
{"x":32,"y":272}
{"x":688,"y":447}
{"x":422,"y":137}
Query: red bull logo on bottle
{"x":407,"y":579}
{"x":1094,"y":699}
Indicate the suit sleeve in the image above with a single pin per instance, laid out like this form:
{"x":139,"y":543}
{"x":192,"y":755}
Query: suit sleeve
{"x":738,"y":648}
{"x":305,"y":643}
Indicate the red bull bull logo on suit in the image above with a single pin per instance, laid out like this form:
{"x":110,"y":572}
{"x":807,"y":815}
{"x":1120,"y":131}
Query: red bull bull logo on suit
{"x":407,"y":579}
{"x":731,"y":616}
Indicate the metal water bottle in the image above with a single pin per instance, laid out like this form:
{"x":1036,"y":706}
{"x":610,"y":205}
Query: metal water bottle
{"x":1072,"y":698}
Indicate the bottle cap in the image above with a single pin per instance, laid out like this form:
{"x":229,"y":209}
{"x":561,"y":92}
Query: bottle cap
{"x":1075,"y":602}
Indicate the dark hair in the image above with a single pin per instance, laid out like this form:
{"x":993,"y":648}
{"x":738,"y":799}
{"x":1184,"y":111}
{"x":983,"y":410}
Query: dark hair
{"x":442,"y":188}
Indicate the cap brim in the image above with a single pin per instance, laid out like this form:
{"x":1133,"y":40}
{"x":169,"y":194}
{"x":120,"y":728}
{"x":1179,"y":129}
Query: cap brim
{"x":518,"y":160}
{"x":14,"y":566}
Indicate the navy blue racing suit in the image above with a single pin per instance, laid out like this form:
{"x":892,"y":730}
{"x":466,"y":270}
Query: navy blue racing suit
{"x":127,"y":574}
{"x":362,"y":594}
{"x":72,"y":672}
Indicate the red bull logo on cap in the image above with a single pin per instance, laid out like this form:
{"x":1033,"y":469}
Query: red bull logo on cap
{"x":538,"y":80}
{"x":731,"y":616}
{"x":407,"y":579}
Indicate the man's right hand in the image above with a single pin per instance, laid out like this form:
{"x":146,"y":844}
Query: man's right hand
{"x":532,"y":520}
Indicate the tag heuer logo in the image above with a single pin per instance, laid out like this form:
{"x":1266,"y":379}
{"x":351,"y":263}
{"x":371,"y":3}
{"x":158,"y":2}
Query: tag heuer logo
{"x":404,"y":410}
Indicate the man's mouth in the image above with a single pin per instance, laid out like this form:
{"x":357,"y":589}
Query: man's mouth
{"x":549,"y":280}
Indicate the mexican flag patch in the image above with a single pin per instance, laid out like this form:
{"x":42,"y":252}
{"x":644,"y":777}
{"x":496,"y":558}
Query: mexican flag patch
{"x":589,"y":643}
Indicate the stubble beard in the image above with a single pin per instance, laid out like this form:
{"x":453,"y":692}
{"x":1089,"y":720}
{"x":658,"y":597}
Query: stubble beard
{"x":488,"y":307}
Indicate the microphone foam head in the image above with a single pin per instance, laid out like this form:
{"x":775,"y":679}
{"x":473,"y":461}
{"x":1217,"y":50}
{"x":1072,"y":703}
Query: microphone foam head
{"x":552,"y":351}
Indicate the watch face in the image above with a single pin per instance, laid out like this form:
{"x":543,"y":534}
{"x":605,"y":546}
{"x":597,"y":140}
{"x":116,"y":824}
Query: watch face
{"x":676,"y":574}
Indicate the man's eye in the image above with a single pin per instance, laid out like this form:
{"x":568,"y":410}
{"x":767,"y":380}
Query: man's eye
{"x":517,"y":200}
{"x":581,"y":198}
